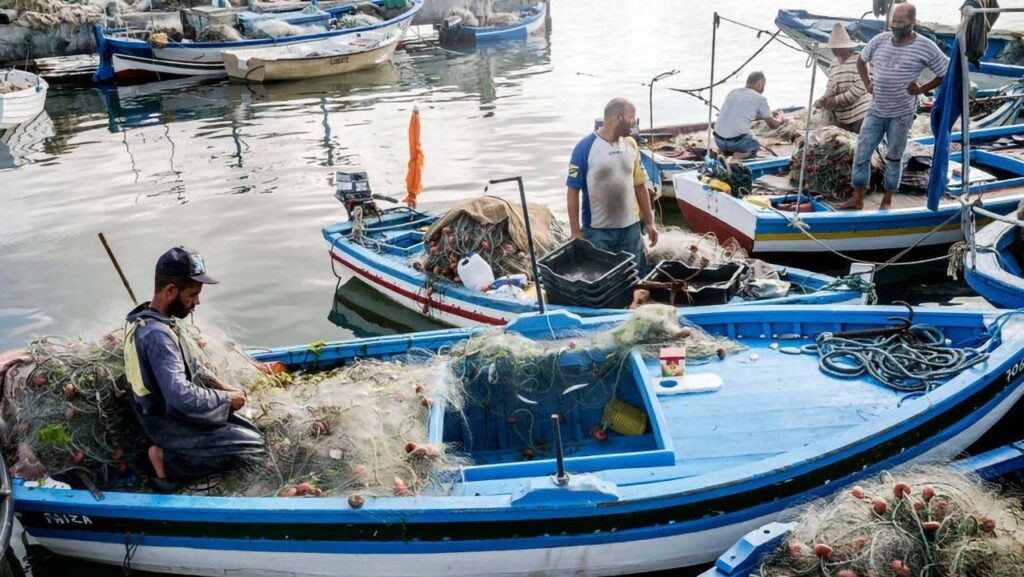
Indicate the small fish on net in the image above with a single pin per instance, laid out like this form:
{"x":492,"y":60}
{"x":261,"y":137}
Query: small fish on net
{"x":921,"y":522}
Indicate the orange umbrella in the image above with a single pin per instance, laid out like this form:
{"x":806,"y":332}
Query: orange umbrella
{"x":414,"y":179}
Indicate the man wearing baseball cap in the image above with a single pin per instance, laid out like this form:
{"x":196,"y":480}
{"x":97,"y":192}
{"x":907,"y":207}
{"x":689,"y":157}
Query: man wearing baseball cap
{"x":188,"y":414}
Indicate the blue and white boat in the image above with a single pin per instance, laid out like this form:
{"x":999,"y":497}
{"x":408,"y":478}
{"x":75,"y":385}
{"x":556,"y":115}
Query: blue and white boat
{"x":707,"y":468}
{"x":661,"y":167}
{"x":388,"y":246}
{"x":744,"y":557}
{"x":454,"y":31}
{"x":997,"y":179}
{"x":1000,"y":64}
{"x":996,"y":271}
{"x":130,"y":54}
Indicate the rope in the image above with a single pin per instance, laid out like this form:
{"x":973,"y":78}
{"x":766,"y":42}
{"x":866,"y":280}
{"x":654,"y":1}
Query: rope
{"x":910,"y":361}
{"x":878,"y":266}
{"x":853,"y":282}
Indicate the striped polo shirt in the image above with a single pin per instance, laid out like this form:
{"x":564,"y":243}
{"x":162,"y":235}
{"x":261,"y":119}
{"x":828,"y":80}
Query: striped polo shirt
{"x":893,"y":68}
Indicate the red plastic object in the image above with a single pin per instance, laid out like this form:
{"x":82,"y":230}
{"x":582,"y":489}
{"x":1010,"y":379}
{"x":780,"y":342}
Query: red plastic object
{"x":791,"y":207}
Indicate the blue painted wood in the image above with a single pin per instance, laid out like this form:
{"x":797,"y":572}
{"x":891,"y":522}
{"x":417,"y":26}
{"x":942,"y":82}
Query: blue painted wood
{"x":743,"y":558}
{"x":734,"y":470}
{"x":997,"y":272}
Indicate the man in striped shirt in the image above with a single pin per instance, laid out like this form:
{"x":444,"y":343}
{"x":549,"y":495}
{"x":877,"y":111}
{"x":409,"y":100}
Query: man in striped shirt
{"x":897,"y":59}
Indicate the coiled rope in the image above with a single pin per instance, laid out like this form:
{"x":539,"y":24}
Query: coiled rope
{"x":909,"y":361}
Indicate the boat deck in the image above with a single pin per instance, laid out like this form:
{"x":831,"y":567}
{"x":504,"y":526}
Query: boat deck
{"x":761,"y":411}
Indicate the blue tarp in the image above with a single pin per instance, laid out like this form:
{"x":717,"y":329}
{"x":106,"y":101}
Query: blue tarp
{"x":945,"y":112}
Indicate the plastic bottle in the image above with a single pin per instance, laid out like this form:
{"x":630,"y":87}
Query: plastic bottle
{"x":475,"y":272}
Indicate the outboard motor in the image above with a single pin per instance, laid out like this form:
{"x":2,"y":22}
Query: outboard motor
{"x":450,"y":31}
{"x":352,"y":188}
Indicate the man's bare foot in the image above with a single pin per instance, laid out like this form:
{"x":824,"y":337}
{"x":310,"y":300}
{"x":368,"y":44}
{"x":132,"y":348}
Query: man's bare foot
{"x":156,"y":458}
{"x":856,"y":201}
{"x":886,"y":201}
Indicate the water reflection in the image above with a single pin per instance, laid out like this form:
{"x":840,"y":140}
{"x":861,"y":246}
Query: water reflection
{"x":25,"y":142}
{"x":360,"y":308}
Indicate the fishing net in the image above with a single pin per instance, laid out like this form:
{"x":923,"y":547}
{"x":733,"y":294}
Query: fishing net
{"x":925,"y":522}
{"x":62,"y":409}
{"x":829,"y":162}
{"x":694,"y":249}
{"x":513,"y":385}
{"x":494,"y":229}
{"x":358,"y":429}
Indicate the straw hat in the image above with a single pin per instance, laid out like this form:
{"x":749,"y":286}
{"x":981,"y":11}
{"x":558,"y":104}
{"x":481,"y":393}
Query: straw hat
{"x":839,"y":38}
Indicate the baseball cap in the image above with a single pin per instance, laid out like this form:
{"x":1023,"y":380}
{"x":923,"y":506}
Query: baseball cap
{"x":183,"y":262}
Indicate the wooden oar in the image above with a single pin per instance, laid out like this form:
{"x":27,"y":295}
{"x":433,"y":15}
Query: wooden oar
{"x":117,"y":267}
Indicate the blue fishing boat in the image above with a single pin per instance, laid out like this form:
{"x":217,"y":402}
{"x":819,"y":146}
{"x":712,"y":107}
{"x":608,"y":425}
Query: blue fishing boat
{"x":385,"y":252}
{"x":744,"y":557}
{"x":1000,"y":64}
{"x":130,"y":54}
{"x":996,"y":270}
{"x":697,"y":472}
{"x":455,"y":31}
{"x":768,"y":231}
{"x":663,"y":161}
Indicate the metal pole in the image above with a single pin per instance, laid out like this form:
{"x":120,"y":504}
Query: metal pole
{"x":965,"y":132}
{"x":807,"y":128}
{"x":529,"y":238}
{"x":711,"y":85}
{"x":561,"y":477}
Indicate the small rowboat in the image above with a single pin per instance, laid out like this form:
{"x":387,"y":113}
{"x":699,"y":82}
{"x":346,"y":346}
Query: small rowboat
{"x":455,"y":32}
{"x":997,"y":271}
{"x":22,"y":96}
{"x":384,"y":259}
{"x":706,"y":469}
{"x":315,"y":59}
{"x":129,"y":54}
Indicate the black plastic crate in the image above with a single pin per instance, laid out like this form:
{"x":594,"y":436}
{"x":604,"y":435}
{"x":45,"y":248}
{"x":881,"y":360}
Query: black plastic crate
{"x":709,"y":286}
{"x":597,"y":290}
{"x":580,"y":265}
{"x":607,"y":298}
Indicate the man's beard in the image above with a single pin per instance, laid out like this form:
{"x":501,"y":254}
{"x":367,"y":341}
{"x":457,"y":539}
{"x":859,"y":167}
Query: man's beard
{"x":178,"y":309}
{"x":901,"y":33}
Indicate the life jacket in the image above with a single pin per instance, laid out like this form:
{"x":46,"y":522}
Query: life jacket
{"x":132,"y":364}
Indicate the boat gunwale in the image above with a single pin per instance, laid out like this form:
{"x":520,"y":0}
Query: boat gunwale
{"x":730,"y":481}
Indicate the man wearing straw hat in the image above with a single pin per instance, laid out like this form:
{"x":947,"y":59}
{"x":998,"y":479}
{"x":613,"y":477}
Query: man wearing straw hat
{"x":845,"y":96}
{"x":897,"y":59}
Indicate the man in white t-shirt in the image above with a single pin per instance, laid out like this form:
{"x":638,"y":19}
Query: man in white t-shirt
{"x":743,"y":106}
{"x":616,"y":207}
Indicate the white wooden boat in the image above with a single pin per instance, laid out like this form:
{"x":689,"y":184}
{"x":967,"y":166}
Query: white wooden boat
{"x":330,"y":57}
{"x":23,"y":103}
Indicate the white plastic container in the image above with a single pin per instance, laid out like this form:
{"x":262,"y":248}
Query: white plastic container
{"x":475,"y":272}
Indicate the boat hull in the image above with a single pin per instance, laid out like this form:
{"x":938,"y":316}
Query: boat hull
{"x":23,"y":105}
{"x":459,"y":306}
{"x":479,"y":35}
{"x":665,"y":524}
{"x":126,"y":59}
{"x":269,"y":70}
{"x":996,"y":274}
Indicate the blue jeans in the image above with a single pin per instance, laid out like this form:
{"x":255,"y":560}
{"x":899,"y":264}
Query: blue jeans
{"x":628,"y":239}
{"x":743,"y":143}
{"x":895,"y":131}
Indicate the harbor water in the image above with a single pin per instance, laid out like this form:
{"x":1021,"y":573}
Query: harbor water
{"x":242,"y":172}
